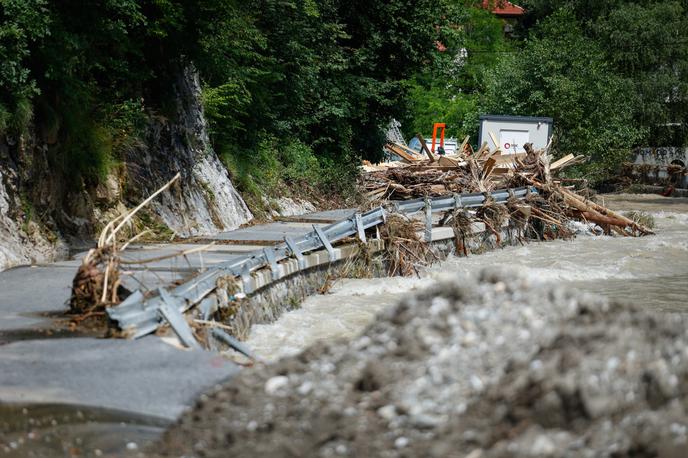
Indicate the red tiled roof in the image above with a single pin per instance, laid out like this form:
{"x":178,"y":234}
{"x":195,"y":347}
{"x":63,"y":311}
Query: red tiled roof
{"x":503,"y":8}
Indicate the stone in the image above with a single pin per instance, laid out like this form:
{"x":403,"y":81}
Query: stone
{"x":276,"y":385}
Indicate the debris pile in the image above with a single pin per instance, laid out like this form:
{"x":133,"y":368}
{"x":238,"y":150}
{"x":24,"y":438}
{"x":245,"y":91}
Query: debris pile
{"x":651,"y":174}
{"x":486,"y":170}
{"x":405,"y":251}
{"x":489,"y":368}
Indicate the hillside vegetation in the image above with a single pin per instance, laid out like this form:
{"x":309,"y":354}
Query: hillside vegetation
{"x":296,"y":92}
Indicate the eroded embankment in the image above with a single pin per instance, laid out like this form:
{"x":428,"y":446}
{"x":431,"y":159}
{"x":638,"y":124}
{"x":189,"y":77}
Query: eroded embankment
{"x":496,"y":367}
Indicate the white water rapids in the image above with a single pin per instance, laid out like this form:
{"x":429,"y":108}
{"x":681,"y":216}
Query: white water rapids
{"x":650,"y":271}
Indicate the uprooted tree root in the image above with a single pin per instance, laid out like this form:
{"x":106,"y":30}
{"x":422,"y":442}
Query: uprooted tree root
{"x":96,"y":285}
{"x":405,"y":251}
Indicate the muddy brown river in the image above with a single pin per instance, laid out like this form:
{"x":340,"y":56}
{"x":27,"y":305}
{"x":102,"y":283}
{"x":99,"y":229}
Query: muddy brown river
{"x":650,"y":271}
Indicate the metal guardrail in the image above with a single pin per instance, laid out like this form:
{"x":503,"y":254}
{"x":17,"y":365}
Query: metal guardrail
{"x":142,"y":316}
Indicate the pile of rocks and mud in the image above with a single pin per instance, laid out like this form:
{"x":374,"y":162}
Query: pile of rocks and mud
{"x":497,"y":366}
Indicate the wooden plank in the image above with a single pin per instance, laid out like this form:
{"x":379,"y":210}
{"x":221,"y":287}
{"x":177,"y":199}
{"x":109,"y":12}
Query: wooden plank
{"x":496,"y":153}
{"x":508,"y":158}
{"x":425,"y":148}
{"x":488,"y":167}
{"x":463,"y":146}
{"x":448,"y":161}
{"x":406,"y":157}
{"x":442,"y":168}
{"x":561,"y":162}
{"x":482,"y":150}
{"x":494,"y":140}
{"x":407,"y":149}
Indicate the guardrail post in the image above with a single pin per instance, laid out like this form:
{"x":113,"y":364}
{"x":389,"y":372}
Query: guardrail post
{"x":169,"y":310}
{"x":246,"y":279}
{"x":291,"y":244}
{"x":428,"y":219}
{"x":359,"y":227}
{"x":272,"y":260}
{"x":326,"y":243}
{"x":458,"y":203}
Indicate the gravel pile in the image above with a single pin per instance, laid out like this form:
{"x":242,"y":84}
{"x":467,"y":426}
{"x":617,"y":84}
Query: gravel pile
{"x":481,"y":368}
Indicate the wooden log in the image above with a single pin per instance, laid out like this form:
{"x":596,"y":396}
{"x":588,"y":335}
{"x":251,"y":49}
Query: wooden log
{"x":601,"y":219}
{"x":607,"y":212}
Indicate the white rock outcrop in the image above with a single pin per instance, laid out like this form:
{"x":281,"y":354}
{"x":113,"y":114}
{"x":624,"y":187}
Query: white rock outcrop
{"x":18,"y":247}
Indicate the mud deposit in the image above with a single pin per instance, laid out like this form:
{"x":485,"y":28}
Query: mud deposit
{"x":491,"y":367}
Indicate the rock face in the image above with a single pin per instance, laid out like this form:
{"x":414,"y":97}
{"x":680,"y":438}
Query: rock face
{"x":21,"y":243}
{"x":493,"y":368}
{"x":204,"y":201}
{"x":287,"y":206}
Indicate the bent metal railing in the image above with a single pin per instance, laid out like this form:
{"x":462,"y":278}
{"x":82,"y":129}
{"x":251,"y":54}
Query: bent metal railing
{"x":139,"y":316}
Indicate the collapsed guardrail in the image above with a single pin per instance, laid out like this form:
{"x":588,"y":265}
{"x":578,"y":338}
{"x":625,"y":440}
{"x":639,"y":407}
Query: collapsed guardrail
{"x":139,"y":316}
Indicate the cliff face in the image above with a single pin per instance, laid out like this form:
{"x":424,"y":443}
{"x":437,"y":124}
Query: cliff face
{"x":38,"y":211}
{"x":22,"y":241}
{"x":204,"y":201}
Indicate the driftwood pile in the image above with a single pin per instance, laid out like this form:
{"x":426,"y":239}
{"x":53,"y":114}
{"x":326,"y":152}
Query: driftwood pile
{"x":630,"y":173}
{"x":486,"y":170}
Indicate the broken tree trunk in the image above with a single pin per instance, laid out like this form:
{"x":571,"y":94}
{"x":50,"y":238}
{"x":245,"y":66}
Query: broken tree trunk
{"x":606,"y":212}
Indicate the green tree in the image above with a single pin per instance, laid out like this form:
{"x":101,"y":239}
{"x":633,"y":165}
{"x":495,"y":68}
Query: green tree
{"x":647,"y":43}
{"x":23,"y":24}
{"x":324,"y":76}
{"x":564,"y":74}
{"x":448,"y":89}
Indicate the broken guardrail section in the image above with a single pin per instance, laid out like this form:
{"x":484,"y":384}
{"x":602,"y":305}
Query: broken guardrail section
{"x":138,"y":316}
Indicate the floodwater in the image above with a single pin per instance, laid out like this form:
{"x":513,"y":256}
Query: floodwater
{"x":650,"y":271}
{"x":50,"y":430}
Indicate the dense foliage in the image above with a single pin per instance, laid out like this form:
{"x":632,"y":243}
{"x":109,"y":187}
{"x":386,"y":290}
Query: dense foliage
{"x":297,"y":90}
{"x":449,"y":88}
{"x":303,"y":85}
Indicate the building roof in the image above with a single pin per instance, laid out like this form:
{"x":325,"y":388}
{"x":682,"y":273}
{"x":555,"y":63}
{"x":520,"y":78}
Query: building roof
{"x":503,"y":8}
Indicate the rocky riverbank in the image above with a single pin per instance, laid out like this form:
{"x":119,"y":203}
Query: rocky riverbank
{"x":490,"y":367}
